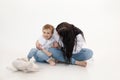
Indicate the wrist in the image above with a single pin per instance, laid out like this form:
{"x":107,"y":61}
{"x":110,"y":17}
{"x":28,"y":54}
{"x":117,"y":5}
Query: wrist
{"x":50,"y":56}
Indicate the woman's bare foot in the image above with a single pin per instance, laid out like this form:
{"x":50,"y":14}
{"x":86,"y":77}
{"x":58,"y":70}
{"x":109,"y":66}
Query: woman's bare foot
{"x":81,"y":63}
{"x":51,"y":62}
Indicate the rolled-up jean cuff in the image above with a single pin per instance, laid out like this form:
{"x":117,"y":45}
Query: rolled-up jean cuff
{"x":50,"y":58}
{"x":73,"y":61}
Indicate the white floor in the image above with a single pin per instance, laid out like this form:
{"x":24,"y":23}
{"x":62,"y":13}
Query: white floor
{"x":20,"y":22}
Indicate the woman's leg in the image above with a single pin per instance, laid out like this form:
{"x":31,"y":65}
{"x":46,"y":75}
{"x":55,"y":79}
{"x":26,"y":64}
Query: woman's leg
{"x":79,"y":63}
{"x":79,"y":59}
{"x":57,"y":54}
{"x":83,"y":55}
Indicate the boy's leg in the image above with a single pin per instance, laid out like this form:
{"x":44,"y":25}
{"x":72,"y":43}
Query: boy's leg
{"x":32,"y":53}
{"x":42,"y":57}
{"x":51,"y":61}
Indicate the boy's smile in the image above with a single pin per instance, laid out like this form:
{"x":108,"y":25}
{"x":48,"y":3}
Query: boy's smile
{"x":47,"y":33}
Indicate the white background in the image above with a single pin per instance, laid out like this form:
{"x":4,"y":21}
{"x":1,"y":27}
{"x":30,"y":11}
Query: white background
{"x":21,"y":21}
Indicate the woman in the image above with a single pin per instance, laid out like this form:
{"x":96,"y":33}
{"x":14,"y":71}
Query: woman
{"x":71,"y":42}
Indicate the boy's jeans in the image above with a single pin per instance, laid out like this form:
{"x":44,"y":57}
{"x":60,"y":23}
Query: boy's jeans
{"x":38,"y":55}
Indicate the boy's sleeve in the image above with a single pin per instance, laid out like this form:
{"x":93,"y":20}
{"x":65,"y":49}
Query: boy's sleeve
{"x":41,"y":40}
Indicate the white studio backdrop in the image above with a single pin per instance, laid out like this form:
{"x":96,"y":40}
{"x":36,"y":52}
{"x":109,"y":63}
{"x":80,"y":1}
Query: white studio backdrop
{"x":21,"y":21}
{"x":20,"y":27}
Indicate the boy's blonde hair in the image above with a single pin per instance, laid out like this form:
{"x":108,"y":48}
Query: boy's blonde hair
{"x":48,"y":26}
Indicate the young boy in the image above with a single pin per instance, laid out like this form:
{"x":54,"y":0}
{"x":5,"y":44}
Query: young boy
{"x":44,"y":43}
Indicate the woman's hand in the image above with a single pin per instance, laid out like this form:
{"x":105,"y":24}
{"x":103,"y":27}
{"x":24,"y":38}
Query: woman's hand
{"x":55,"y":44}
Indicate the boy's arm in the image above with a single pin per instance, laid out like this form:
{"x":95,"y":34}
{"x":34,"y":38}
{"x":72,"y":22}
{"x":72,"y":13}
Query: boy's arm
{"x":38,"y":46}
{"x":46,"y":52}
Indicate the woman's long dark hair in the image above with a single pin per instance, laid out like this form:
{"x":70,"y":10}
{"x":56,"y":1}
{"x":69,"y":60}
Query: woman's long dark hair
{"x":68,"y":33}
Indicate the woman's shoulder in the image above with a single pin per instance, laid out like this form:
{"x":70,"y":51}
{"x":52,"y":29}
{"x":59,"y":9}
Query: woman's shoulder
{"x":55,"y":35}
{"x":80,"y":38}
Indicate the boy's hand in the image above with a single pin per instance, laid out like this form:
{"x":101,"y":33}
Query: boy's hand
{"x":40,"y":47}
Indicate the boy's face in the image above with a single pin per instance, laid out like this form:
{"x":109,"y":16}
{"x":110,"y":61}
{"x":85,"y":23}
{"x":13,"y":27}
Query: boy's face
{"x":47,"y":34}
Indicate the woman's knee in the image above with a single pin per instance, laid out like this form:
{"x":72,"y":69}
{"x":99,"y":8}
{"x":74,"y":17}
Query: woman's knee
{"x":89,"y":53}
{"x":54,"y":51}
{"x":84,"y":54}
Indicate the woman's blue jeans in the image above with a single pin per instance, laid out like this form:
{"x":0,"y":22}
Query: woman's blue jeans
{"x":57,"y":54}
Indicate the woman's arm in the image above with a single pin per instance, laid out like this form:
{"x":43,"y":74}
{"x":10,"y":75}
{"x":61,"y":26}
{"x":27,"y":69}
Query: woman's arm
{"x":46,"y":52}
{"x":80,"y":43}
{"x":56,"y":45}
